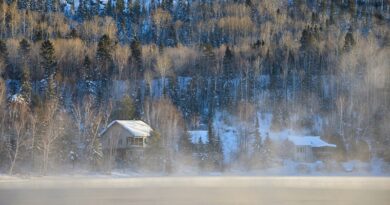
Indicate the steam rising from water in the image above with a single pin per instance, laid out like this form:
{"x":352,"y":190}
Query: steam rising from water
{"x":197,"y":190}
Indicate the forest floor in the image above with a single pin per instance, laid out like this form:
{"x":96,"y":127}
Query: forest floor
{"x":194,"y":190}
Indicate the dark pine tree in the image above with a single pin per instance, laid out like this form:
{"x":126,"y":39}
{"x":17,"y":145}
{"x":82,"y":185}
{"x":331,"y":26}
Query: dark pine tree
{"x":83,"y":12}
{"x":105,"y":66}
{"x":182,"y":9}
{"x":119,"y":8}
{"x":104,"y":57}
{"x":191,"y":108}
{"x":86,"y":71}
{"x":24,"y":53}
{"x":228,"y":76}
{"x":48,"y":61}
{"x":108,"y":9}
{"x":94,"y":7}
{"x":125,"y":109}
{"x":49,"y":65}
{"x":24,"y":49}
{"x":10,"y":72}
{"x":349,"y":41}
{"x":135,"y":60}
{"x":258,"y":140}
{"x":3,"y":57}
{"x":135,"y":11}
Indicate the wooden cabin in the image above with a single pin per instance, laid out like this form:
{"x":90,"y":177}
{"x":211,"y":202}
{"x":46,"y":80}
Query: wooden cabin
{"x":125,"y":140}
{"x":310,"y":148}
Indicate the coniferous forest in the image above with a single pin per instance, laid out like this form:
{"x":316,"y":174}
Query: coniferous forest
{"x":70,"y":67}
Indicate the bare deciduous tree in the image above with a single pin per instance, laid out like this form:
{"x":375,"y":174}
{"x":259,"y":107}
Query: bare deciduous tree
{"x":53,"y":122}
{"x":163,"y":116}
{"x":163,"y":65}
{"x":18,"y":115}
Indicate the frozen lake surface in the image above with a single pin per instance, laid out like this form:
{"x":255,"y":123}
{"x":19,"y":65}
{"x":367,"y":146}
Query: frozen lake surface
{"x":195,"y":190}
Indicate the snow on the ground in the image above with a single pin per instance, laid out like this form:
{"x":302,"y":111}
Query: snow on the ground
{"x":227,"y":127}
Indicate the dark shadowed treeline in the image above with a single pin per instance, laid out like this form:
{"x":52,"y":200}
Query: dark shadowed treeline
{"x":68,"y":69}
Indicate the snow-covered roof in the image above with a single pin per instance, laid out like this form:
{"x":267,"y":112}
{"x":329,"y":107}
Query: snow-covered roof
{"x":197,"y":135}
{"x":313,"y":141}
{"x":137,"y":128}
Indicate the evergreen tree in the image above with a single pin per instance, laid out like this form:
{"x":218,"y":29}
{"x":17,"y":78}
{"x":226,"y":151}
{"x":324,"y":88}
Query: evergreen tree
{"x":308,"y":39}
{"x":267,"y":154}
{"x":3,"y":52}
{"x":125,"y":109}
{"x":82,"y":11}
{"x":3,"y":57}
{"x":352,"y":8}
{"x":24,"y":53}
{"x":22,"y":4}
{"x":105,"y":67}
{"x":104,"y":57}
{"x":135,"y":60}
{"x":228,"y":61}
{"x":173,"y":90}
{"x":26,"y":87}
{"x":185,"y":145}
{"x":192,"y":105}
{"x":87,"y":72}
{"x":24,"y":49}
{"x":51,"y":92}
{"x":119,"y":8}
{"x":228,"y":76}
{"x":73,"y":34}
{"x":258,"y":141}
{"x":135,"y":11}
{"x":103,"y":53}
{"x":349,"y":41}
{"x":88,"y":76}
{"x":257,"y":146}
{"x":108,"y":9}
{"x":11,"y":72}
{"x":48,"y":61}
{"x":94,"y":7}
{"x":49,"y":65}
{"x":182,"y":10}
{"x":209,"y":59}
{"x":215,"y":155}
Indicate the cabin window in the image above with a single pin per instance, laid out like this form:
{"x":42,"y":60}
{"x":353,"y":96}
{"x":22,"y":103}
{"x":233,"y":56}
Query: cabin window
{"x":135,"y":141}
{"x":301,"y":150}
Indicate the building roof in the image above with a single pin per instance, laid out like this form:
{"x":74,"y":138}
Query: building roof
{"x":313,"y":141}
{"x":137,"y":128}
